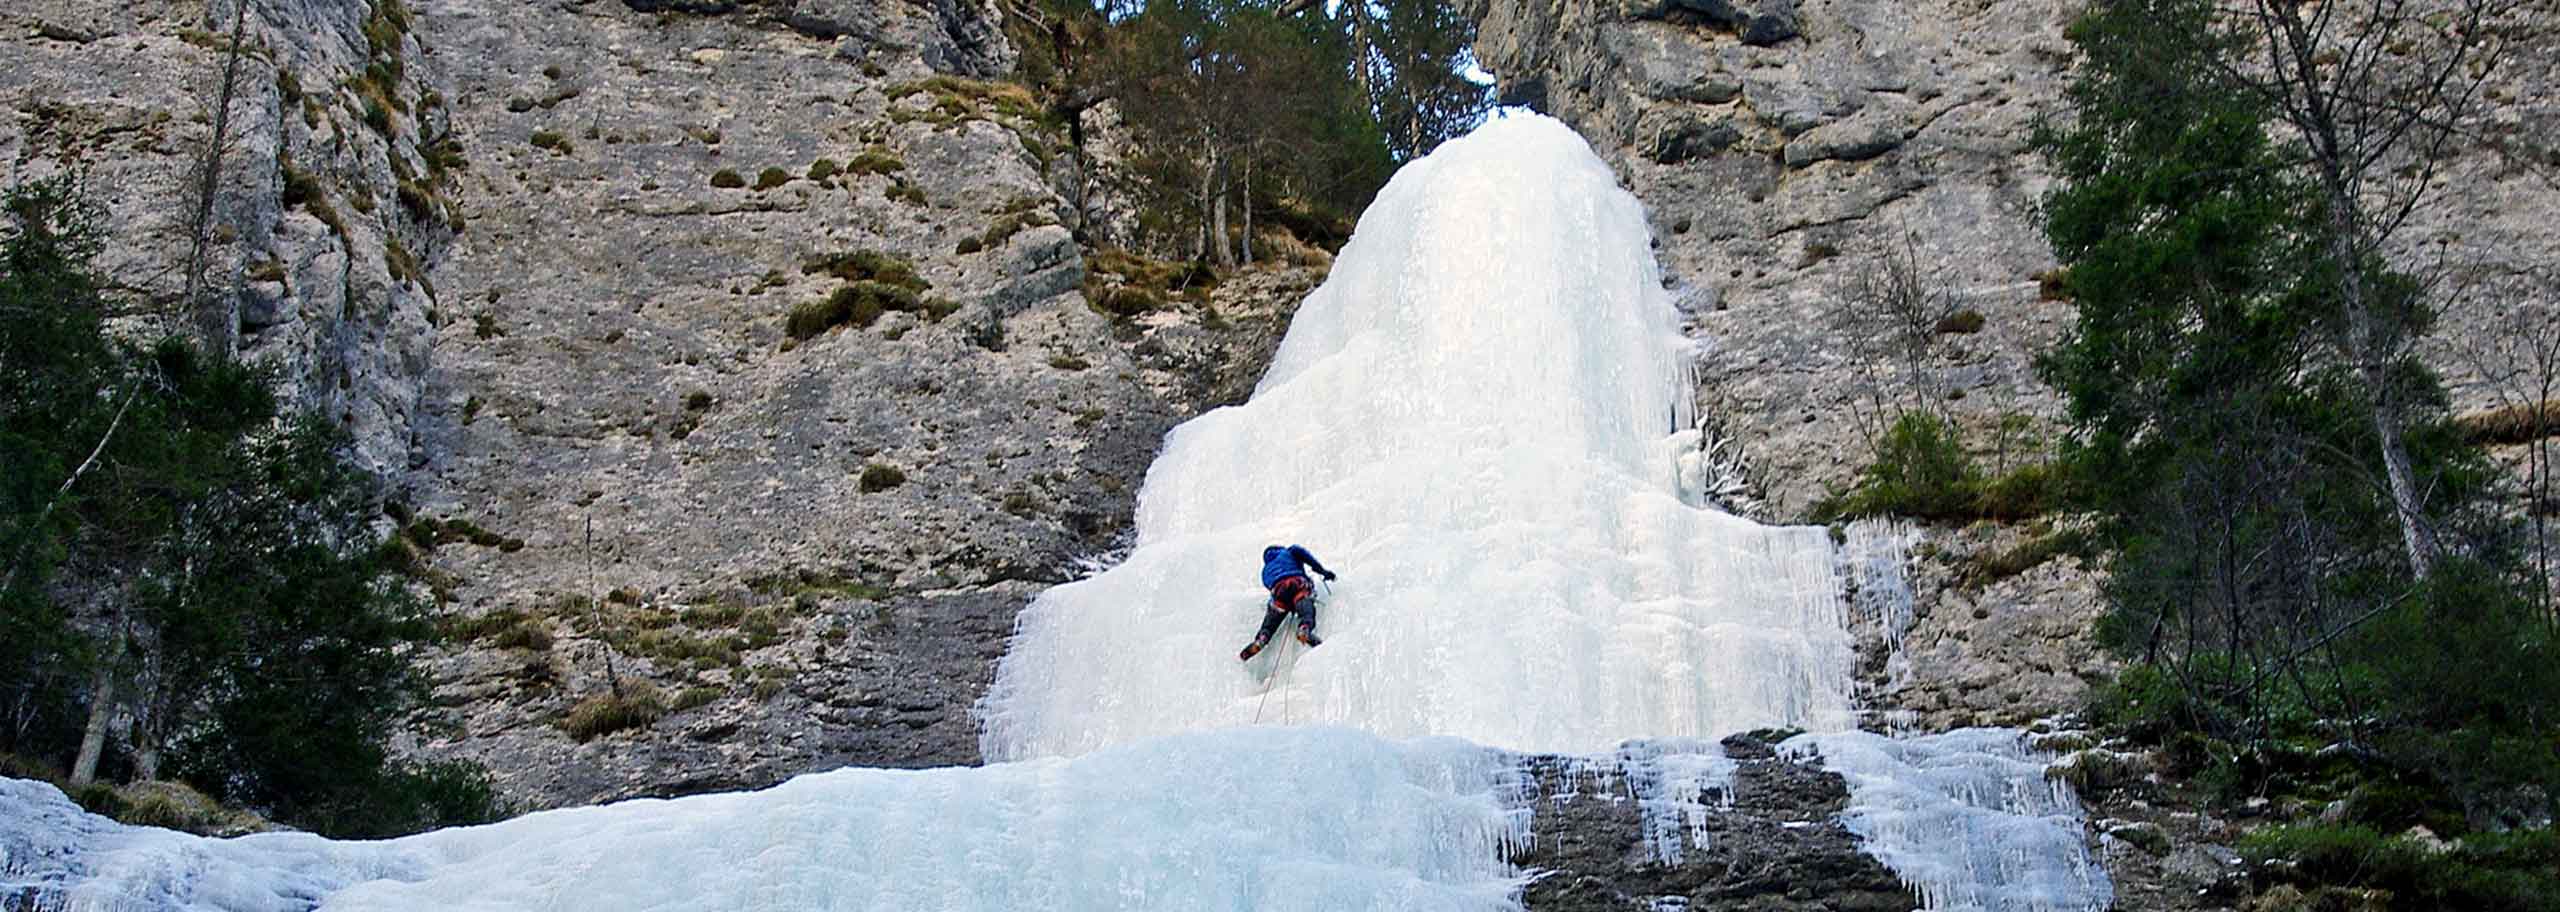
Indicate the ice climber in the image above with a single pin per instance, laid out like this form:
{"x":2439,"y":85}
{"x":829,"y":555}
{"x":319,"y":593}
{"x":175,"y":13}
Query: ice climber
{"x":1284,"y":572}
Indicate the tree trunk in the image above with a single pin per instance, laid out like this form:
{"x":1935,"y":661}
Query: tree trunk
{"x":216,"y":322}
{"x":1246,"y":200}
{"x":1226,"y":257}
{"x":2373,"y":357}
{"x":1208,"y":177}
{"x":93,"y":739}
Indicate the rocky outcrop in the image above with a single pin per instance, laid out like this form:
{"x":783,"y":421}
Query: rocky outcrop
{"x":334,"y":201}
{"x":1769,"y":838}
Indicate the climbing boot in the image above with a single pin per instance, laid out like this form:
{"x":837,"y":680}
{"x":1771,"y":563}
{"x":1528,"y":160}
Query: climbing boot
{"x":1308,"y":636}
{"x":1251,"y":649}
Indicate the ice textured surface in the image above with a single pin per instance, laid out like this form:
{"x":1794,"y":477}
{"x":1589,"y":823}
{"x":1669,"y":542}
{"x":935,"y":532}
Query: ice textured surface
{"x":1674,"y":783}
{"x":1967,"y":818}
{"x":1473,"y":421}
{"x":1266,"y":819}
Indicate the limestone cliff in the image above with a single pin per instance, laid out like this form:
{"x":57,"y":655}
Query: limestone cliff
{"x":543,"y":259}
{"x":333,"y":205}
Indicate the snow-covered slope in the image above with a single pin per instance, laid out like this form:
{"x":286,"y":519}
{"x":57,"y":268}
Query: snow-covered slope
{"x":1472,"y":421}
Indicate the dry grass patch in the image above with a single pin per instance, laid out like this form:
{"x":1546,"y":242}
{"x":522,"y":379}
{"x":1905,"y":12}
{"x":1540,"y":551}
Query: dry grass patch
{"x":2523,"y":422}
{"x":637,"y":706}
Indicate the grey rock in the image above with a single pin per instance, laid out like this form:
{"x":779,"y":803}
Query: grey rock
{"x":2144,"y":835}
{"x":951,"y":36}
{"x":1666,"y":62}
{"x":1774,"y":23}
{"x":1684,"y":136}
{"x":1870,"y":133}
{"x":2204,"y":867}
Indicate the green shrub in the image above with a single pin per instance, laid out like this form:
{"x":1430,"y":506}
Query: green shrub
{"x":100,"y":798}
{"x":958,"y":97}
{"x":858,"y":305}
{"x":1994,"y":566}
{"x":822,"y":169}
{"x":2487,"y":872}
{"x":875,"y":160}
{"x":771,"y":178}
{"x":903,"y":192}
{"x":696,"y":401}
{"x":1922,"y":471}
{"x":716,"y":614}
{"x":1067,"y":362}
{"x":877,"y":477}
{"x":1005,"y":227}
{"x":528,"y":634}
{"x":2053,"y":285}
{"x":552,"y":140}
{"x":605,"y":713}
{"x":727,"y":179}
{"x":1130,"y":301}
{"x":871,"y":265}
{"x":694,"y":697}
{"x":485,"y":627}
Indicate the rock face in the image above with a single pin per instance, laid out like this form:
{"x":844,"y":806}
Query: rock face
{"x":811,"y":548}
{"x":333,"y":203}
{"x":1772,"y":843}
{"x":541,"y":258}
{"x":1779,"y":148}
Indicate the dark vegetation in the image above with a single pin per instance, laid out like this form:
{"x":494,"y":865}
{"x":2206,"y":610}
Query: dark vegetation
{"x":1279,"y":113}
{"x":2324,"y":600}
{"x":1923,"y":471}
{"x":194,"y":585}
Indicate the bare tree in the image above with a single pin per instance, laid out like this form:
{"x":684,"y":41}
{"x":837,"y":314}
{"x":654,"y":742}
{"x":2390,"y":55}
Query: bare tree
{"x":217,"y":321}
{"x":215,"y":324}
{"x":1893,"y":310}
{"x":2518,"y":360}
{"x":2373,"y":93}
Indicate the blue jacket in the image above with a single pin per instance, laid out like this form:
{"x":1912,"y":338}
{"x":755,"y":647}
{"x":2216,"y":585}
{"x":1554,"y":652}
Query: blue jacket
{"x":1280,"y":563}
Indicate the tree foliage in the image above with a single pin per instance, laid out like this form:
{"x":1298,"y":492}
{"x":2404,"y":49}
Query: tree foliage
{"x":1246,"y":110}
{"x":2233,"y":441}
{"x":190,"y":561}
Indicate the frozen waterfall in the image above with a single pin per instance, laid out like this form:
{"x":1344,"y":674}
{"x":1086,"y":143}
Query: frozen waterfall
{"x":1475,"y":420}
{"x":1471,"y":420}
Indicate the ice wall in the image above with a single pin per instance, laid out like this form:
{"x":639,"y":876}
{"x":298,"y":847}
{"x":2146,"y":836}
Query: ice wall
{"x":1267,"y":819}
{"x":1471,"y":421}
{"x":1967,"y":818}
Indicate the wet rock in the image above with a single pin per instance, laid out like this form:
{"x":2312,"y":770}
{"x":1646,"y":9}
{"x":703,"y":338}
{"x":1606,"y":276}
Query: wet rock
{"x":1771,"y":844}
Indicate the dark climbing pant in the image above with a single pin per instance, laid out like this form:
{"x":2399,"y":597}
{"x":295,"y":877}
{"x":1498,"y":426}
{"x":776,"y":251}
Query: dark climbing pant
{"x":1291,"y":594}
